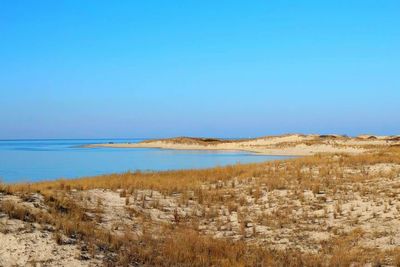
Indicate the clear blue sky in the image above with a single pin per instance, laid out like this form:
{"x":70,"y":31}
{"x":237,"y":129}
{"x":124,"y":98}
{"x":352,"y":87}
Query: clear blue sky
{"x":87,"y":69}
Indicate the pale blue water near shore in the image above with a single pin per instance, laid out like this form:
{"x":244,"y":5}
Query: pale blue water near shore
{"x":36,"y":160}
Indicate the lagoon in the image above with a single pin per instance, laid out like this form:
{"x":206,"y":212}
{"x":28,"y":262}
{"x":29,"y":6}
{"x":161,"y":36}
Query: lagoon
{"x":37,"y":160}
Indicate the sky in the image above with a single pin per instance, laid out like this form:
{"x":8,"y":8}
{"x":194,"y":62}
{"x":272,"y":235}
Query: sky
{"x":126,"y":69}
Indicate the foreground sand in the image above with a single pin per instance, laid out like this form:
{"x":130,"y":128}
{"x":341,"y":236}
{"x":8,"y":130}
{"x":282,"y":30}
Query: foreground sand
{"x":329,"y":209}
{"x":284,"y":145}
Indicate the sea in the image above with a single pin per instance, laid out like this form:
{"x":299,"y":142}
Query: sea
{"x":48,"y":159}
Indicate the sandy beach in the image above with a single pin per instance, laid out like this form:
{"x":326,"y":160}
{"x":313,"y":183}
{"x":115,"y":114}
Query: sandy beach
{"x":284,"y":145}
{"x":326,"y":210}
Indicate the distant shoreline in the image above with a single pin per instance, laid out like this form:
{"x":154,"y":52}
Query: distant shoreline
{"x":283,"y":145}
{"x":126,"y":145}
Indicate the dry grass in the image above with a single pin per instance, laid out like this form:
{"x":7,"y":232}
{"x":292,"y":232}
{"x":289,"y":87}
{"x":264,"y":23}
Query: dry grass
{"x":181,"y":244}
{"x":277,"y":174}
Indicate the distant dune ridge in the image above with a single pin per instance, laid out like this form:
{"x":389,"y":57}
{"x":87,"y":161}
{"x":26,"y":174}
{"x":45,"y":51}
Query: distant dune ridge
{"x":289,"y":144}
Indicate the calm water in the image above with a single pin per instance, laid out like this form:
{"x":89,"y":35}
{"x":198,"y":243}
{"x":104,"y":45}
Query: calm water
{"x":34,"y":160}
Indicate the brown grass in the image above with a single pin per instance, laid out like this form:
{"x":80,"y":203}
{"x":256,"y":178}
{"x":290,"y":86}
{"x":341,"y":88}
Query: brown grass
{"x":277,"y":174}
{"x":182,"y":245}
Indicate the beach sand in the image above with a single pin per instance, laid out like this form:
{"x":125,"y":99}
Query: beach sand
{"x":284,"y":145}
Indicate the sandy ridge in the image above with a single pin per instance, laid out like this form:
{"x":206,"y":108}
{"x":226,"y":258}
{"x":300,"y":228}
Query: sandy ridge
{"x":284,"y":145}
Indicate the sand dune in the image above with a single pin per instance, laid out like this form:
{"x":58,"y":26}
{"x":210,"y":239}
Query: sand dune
{"x":290,"y":144}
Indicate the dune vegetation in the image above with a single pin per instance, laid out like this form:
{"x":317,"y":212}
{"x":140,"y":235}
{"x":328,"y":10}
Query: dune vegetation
{"x":322,"y":210}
